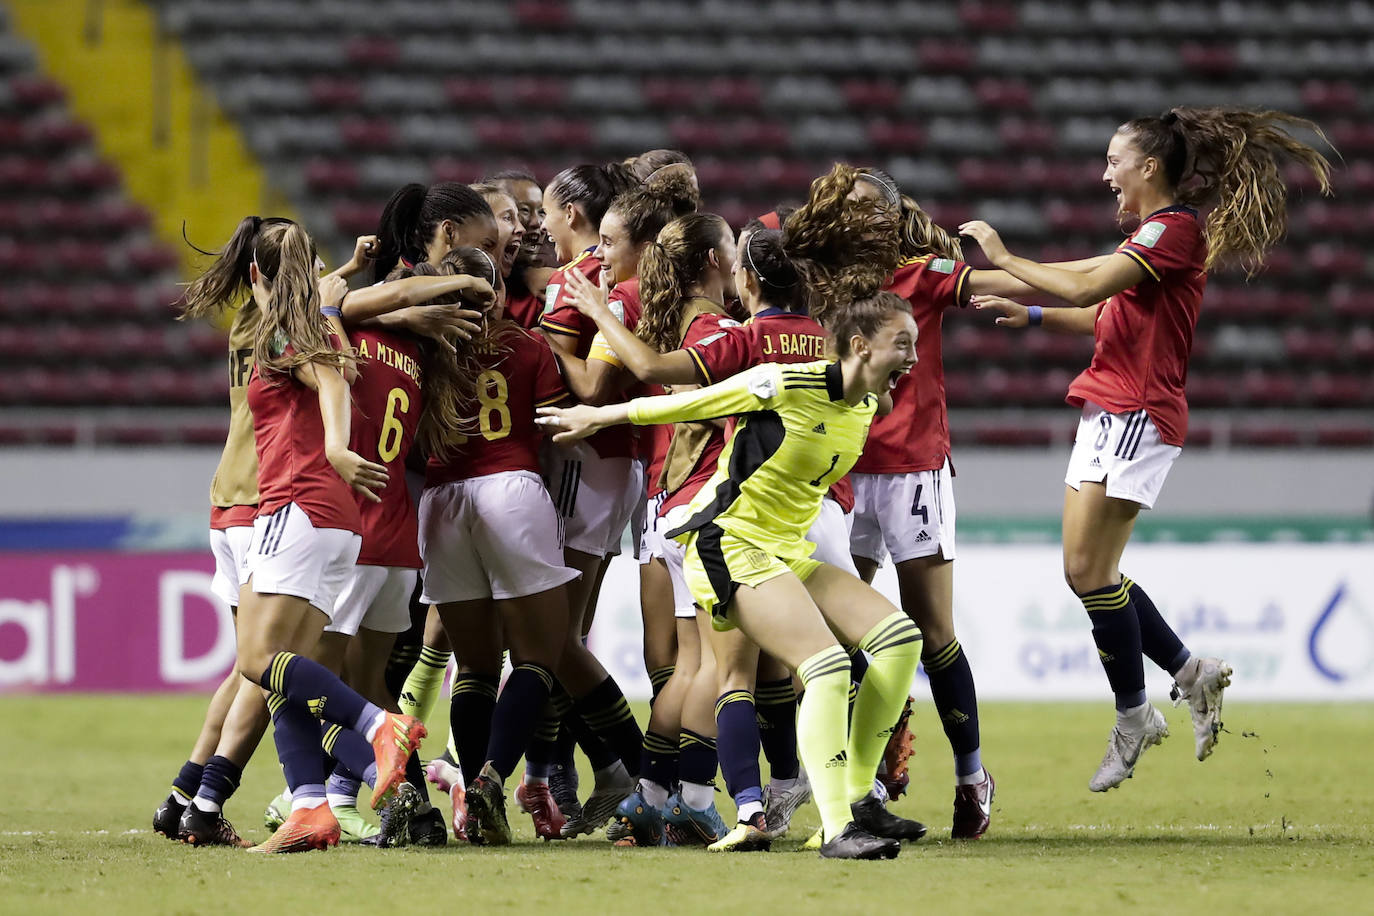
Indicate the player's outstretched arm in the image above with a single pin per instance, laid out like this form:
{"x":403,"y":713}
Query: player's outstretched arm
{"x":1115,"y":273}
{"x":1015,"y":315}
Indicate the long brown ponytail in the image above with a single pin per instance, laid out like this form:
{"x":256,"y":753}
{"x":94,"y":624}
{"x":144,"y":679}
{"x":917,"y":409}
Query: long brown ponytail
{"x":669,"y":267}
{"x":286,"y":260}
{"x":1228,"y":159}
{"x":920,"y":235}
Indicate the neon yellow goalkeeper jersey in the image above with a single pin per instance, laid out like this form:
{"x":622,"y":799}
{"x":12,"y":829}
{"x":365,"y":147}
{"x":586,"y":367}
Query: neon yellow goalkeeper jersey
{"x":795,"y":436}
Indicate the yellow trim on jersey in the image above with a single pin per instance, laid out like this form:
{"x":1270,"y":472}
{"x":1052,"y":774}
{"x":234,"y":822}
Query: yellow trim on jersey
{"x":549,"y":402}
{"x":701,"y":366}
{"x":959,"y":285}
{"x":1139,"y":259}
{"x":557,"y":328}
{"x":578,"y":260}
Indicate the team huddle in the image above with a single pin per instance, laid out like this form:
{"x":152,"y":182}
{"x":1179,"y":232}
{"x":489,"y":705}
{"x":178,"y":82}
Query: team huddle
{"x":430,"y":473}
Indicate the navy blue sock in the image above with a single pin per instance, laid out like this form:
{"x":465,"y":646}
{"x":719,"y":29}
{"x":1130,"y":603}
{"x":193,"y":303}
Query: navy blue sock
{"x":187,"y":783}
{"x":606,"y":712}
{"x":297,"y":735}
{"x":658,"y":760}
{"x":472,"y":702}
{"x":317,"y":690}
{"x":657,"y":679}
{"x":858,"y":667}
{"x":775,"y":704}
{"x":1116,"y":630}
{"x":219,"y":780}
{"x":1158,"y":640}
{"x":517,"y":715}
{"x":343,"y":781}
{"x":697,"y":761}
{"x":956,"y":702}
{"x":542,"y":753}
{"x":352,"y":751}
{"x":737,"y":745}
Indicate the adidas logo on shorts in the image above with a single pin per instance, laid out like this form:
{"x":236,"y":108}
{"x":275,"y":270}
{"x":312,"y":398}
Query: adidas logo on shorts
{"x":922,"y":537}
{"x":819,"y":428}
{"x":1095,"y":463}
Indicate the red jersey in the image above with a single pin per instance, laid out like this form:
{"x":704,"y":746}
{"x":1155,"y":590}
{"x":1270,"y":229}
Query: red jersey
{"x":1144,"y":335}
{"x":915,"y":436}
{"x":561,"y":318}
{"x":387,"y":402}
{"x":771,"y":336}
{"x":653,"y":444}
{"x":289,"y":435}
{"x":705,"y":329}
{"x":524,"y":310}
{"x":518,"y":376}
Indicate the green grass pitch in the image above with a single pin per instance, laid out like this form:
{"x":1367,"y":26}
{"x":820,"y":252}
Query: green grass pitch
{"x":1280,"y":819}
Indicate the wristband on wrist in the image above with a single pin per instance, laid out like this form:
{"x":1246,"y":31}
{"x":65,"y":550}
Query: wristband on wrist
{"x":1035,"y":315}
{"x":331,"y":311}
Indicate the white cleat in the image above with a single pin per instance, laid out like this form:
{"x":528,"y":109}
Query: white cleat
{"x":1127,"y":742}
{"x":1200,"y":682}
{"x":779,"y":806}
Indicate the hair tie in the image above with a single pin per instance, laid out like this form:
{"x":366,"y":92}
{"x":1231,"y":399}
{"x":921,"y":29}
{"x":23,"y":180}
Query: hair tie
{"x":1169,"y":118}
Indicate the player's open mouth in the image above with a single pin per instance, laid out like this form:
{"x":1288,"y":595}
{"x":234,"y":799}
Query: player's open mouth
{"x":895,"y":376}
{"x":508,"y":255}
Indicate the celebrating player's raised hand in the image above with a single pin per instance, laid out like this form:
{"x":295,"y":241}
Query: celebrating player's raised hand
{"x":591,"y":299}
{"x":987,"y":239}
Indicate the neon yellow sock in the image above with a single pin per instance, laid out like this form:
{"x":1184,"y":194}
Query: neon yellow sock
{"x":821,"y":734}
{"x":895,"y":647}
{"x":422,"y":686}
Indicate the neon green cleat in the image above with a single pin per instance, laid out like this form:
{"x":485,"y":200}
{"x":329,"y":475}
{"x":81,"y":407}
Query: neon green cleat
{"x":816,"y":842}
{"x":353,"y":827}
{"x":278,"y":809}
{"x":745,"y":837}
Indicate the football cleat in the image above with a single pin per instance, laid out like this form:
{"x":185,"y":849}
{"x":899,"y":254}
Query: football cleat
{"x":973,"y":808}
{"x":563,"y":785}
{"x":167,"y":817}
{"x":277,"y":810}
{"x":746,"y":836}
{"x":854,"y":843}
{"x":636,"y":823}
{"x":875,"y":820}
{"x":780,"y":805}
{"x":487,"y":808}
{"x":897,"y":754}
{"x":535,"y":799}
{"x":353,"y":827}
{"x":303,"y":830}
{"x":1200,"y":683}
{"x":428,"y":828}
{"x":443,"y":774}
{"x":687,"y":826}
{"x":396,"y":816}
{"x":208,"y":828}
{"x":459,"y":797}
{"x":610,"y":790}
{"x":396,"y":739}
{"x":1124,"y":747}
{"x":815,"y":841}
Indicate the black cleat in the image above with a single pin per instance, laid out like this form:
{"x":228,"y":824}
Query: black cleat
{"x":208,"y":828}
{"x":870,"y":814}
{"x":856,"y":843}
{"x":428,"y":829}
{"x":563,"y":785}
{"x":487,"y":808}
{"x":167,"y":818}
{"x":395,"y":818}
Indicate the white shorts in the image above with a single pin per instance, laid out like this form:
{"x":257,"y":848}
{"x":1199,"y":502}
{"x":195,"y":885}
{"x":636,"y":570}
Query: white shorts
{"x":830,"y":534}
{"x":230,"y":547}
{"x":903,"y":515}
{"x":650,"y":528}
{"x":290,"y":556}
{"x":494,"y":536}
{"x":1124,"y":450}
{"x":375,"y":597}
{"x":684,"y":608}
{"x":595,"y":497}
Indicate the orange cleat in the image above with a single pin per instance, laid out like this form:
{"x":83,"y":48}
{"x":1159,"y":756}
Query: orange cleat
{"x":396,"y":739}
{"x":897,"y":754}
{"x":535,"y":799}
{"x":304,"y":830}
